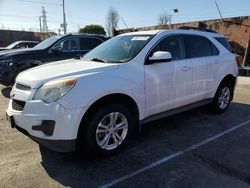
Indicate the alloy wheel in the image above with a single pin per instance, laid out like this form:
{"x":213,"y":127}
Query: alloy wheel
{"x":112,"y":131}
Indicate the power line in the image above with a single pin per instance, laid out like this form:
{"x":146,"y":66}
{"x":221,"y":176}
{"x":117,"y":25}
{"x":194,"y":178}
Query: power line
{"x":39,"y":2}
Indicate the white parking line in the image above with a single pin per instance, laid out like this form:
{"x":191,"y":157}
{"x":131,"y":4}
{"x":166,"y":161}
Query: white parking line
{"x":177,"y":154}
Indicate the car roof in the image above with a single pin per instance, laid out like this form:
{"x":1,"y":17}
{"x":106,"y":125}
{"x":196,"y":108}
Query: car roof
{"x":19,"y":41}
{"x":86,"y":34}
{"x":175,"y":31}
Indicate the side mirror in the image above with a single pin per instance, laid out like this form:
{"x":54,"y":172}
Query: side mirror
{"x":160,"y":56}
{"x":56,"y":49}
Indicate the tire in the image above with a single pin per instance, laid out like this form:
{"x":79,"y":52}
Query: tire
{"x":222,"y":98}
{"x":111,"y":137}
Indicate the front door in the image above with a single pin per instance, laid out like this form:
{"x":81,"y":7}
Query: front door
{"x":168,"y":84}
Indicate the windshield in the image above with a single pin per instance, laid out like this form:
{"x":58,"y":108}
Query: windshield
{"x":46,"y":43}
{"x":119,"y":49}
{"x":12,"y":45}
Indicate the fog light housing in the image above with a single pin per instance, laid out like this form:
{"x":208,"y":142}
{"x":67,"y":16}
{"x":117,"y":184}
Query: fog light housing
{"x":47,"y":127}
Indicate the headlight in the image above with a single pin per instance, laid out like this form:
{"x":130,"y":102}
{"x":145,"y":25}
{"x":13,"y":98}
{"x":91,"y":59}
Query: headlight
{"x":7,"y":62}
{"x":54,"y":90}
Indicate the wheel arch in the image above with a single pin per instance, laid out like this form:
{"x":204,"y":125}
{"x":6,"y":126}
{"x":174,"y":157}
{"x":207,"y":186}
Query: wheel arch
{"x":230,"y":79}
{"x":108,"y":99}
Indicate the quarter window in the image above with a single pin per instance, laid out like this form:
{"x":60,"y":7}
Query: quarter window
{"x":215,"y":51}
{"x":224,"y":42}
{"x":172,"y":44}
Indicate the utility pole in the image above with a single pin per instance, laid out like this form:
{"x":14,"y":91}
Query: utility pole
{"x":40,"y":23}
{"x":170,"y":21}
{"x":219,"y":11}
{"x":64,"y":19}
{"x":171,"y":17}
{"x":44,"y":22}
{"x":124,"y":22}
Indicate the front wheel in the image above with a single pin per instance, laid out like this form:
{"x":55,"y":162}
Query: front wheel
{"x":109,"y":129}
{"x":222,"y":98}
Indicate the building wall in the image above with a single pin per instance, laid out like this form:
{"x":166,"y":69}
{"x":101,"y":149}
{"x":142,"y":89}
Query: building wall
{"x":8,"y":36}
{"x":236,"y":29}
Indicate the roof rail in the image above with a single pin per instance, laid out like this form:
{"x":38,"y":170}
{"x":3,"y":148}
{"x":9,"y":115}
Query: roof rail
{"x":197,"y":29}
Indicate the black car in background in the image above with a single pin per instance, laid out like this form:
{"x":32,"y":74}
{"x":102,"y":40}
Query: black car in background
{"x":20,"y":44}
{"x":55,"y":48}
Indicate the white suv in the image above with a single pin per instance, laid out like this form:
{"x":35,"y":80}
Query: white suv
{"x":96,"y":102}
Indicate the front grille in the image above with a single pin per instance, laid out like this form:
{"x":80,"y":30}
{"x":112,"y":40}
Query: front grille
{"x":2,"y":65}
{"x":22,"y":87}
{"x":18,"y":105}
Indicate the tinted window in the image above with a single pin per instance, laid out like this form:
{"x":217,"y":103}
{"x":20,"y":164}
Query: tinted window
{"x":224,"y":42}
{"x":197,"y":46}
{"x":89,"y":43}
{"x":31,"y":45}
{"x":215,"y":51}
{"x":172,"y":44}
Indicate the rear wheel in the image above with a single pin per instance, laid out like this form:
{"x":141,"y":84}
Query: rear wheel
{"x":222,"y":98}
{"x":108,"y":129}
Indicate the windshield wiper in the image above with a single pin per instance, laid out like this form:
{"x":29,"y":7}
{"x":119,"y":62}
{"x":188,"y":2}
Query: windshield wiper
{"x":98,"y":60}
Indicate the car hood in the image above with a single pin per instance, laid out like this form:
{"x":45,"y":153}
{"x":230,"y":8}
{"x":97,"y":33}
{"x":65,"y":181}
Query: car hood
{"x":37,"y":76}
{"x":3,"y":48}
{"x":6,"y":53}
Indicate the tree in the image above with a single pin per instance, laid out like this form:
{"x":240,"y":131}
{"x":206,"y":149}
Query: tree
{"x":93,"y":29}
{"x":112,"y":20}
{"x":164,"y":19}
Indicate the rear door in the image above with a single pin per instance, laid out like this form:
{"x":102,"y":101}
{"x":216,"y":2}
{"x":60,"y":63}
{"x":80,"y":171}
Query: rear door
{"x":202,"y":53}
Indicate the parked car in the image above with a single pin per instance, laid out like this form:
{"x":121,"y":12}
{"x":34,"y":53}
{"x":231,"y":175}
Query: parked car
{"x":20,"y":44}
{"x":125,"y":82}
{"x":55,"y":48}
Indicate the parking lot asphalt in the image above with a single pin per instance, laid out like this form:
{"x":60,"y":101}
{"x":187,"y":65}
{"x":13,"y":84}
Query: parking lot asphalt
{"x":191,"y":149}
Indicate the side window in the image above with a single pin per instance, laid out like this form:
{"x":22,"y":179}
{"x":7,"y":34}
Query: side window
{"x":72,"y":44}
{"x":31,"y":45}
{"x":22,"y":45}
{"x":174,"y":45}
{"x":198,"y":46}
{"x":89,"y":43}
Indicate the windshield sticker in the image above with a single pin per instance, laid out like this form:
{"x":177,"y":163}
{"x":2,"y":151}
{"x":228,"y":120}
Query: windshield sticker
{"x":140,"y":38}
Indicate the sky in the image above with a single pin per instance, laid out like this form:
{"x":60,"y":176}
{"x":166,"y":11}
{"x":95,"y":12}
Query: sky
{"x":24,"y":14}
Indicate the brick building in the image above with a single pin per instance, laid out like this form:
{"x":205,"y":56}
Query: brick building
{"x":236,"y":29}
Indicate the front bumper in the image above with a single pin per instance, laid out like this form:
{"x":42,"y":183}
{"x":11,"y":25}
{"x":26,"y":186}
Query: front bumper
{"x":66,"y":123}
{"x":56,"y":145}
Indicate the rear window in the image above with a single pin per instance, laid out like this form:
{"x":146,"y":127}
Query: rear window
{"x":224,"y":42}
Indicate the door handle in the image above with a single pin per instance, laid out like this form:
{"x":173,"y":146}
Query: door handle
{"x":186,"y":68}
